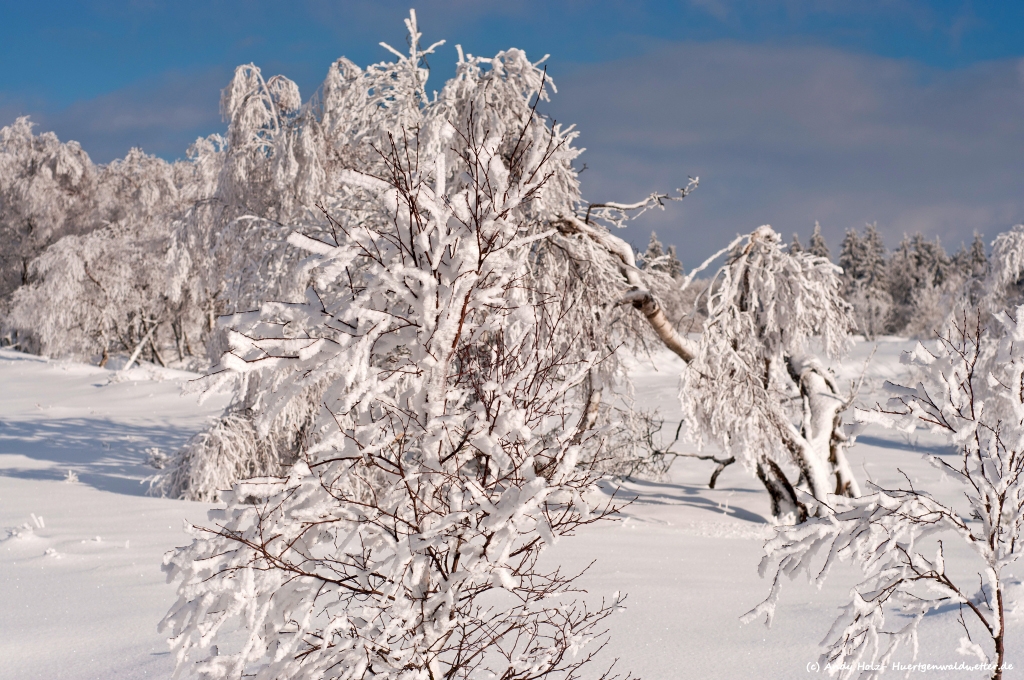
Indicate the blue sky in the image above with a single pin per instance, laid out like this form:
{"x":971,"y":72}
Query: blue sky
{"x":909,"y":114}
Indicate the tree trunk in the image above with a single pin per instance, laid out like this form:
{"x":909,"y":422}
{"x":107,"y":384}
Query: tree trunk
{"x":648,"y":305}
{"x":822,"y":426}
{"x":1001,"y":636}
{"x":782,"y":493}
{"x":638,"y":295}
{"x":138,"y":348}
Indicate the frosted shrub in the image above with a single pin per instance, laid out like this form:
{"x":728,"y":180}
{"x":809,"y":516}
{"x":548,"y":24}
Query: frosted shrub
{"x":753,"y":385}
{"x":405,"y":542}
{"x":972,"y":394}
{"x":231,"y":449}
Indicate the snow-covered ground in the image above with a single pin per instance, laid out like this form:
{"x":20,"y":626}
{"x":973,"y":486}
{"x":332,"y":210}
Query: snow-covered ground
{"x":81,"y":589}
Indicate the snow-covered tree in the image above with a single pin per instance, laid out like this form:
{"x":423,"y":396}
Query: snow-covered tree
{"x":239,"y":258}
{"x":106,"y":288}
{"x":405,"y":542}
{"x":817,"y":246}
{"x":1004,"y":288}
{"x":47,"y":188}
{"x":753,"y":363}
{"x":794,"y":244}
{"x":851,"y":253}
{"x":657,"y":258}
{"x":865,"y":279}
{"x":972,"y":263}
{"x":921,"y":282}
{"x":899,"y":537}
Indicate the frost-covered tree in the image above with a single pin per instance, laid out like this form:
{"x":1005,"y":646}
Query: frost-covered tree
{"x":921,"y":282}
{"x":899,"y":537}
{"x":47,"y":189}
{"x":972,"y":263}
{"x":356,"y":117}
{"x":655,"y":250}
{"x":753,"y":365}
{"x":817,"y":246}
{"x":971,"y":268}
{"x":865,"y":279}
{"x":657,"y":258}
{"x":405,"y":542}
{"x":794,"y":244}
{"x":851,"y":254}
{"x":105,"y":286}
{"x":1004,"y":287}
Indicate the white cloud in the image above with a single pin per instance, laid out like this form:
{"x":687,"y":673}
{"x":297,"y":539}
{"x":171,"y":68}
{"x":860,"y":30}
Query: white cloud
{"x":162,"y":115}
{"x":789,"y":134}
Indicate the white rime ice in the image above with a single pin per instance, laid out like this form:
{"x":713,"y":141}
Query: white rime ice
{"x":404,"y":542}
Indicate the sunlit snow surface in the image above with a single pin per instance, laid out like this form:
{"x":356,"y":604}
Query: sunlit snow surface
{"x":81,"y":589}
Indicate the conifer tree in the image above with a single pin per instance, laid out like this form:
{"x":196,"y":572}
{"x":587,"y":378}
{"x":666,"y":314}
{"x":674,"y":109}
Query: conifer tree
{"x":921,"y":281}
{"x":655,"y":249}
{"x":851,"y":257}
{"x":657,"y":258}
{"x":979,"y":264}
{"x":874,"y":267}
{"x":817,"y":245}
{"x":864,"y":279}
{"x":794,"y":245}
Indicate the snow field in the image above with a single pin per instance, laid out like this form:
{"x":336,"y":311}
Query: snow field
{"x":82,"y":591}
{"x":81,"y":583}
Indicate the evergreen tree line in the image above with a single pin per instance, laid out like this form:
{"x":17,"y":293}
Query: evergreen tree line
{"x":907,"y":291}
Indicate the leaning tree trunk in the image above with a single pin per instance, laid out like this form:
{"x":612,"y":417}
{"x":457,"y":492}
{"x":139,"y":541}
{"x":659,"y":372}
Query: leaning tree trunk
{"x":638,"y":295}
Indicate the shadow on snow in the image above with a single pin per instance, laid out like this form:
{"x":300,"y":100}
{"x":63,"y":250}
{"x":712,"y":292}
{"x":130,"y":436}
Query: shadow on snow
{"x":105,"y":454}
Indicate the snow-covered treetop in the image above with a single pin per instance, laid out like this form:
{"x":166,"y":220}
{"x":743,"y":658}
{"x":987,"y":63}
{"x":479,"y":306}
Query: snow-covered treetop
{"x":780,"y":297}
{"x":1008,"y":257}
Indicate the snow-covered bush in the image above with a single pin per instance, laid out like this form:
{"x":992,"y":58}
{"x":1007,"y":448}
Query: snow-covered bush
{"x":899,"y":537}
{"x":753,"y":385}
{"x":234,"y":448}
{"x":404,"y":543}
